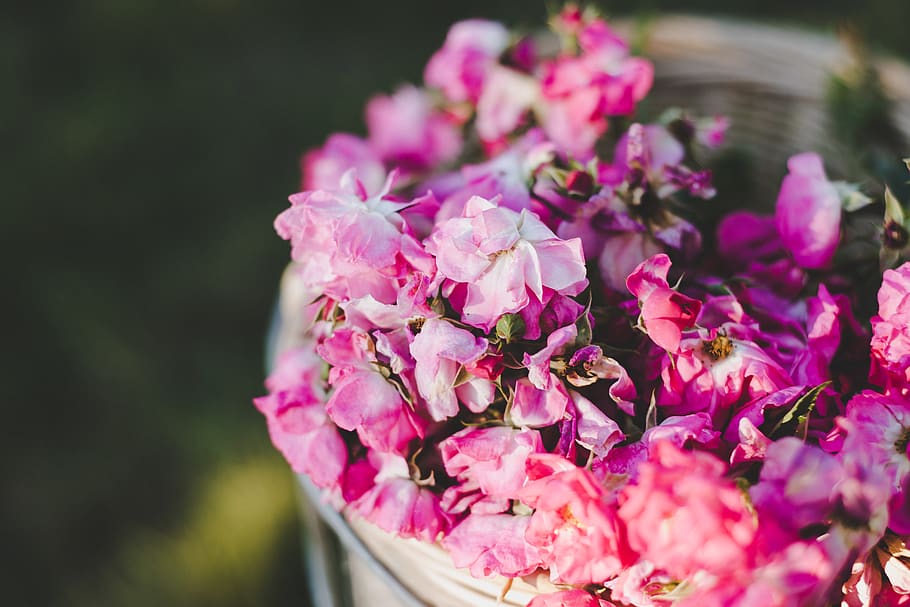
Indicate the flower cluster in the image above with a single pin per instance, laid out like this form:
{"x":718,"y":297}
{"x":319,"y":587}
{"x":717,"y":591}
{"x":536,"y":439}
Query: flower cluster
{"x":516,"y":343}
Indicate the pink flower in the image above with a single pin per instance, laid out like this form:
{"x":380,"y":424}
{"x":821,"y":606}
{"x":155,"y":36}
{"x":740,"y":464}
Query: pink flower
{"x":538,"y":364}
{"x":684,"y":516}
{"x":362,"y":397}
{"x":808,"y":212}
{"x":492,"y":544}
{"x":580,"y":92}
{"x":569,"y":598}
{"x":440,"y":351}
{"x":406,"y":131}
{"x":538,"y":408}
{"x":324,"y":167}
{"x":891,"y":331}
{"x":298,"y":424}
{"x":398,"y":505}
{"x":490,"y":460}
{"x":351,"y":245}
{"x":882,"y":578}
{"x":507,"y":98}
{"x":665,"y":312}
{"x":574,"y":523}
{"x":641,"y":585}
{"x":504,"y":259}
{"x":461,"y":66}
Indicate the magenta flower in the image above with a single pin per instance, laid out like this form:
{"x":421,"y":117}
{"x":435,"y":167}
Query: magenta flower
{"x":504,"y":259}
{"x":808,"y":212}
{"x":665,"y":312}
{"x":685,"y":517}
{"x":460,"y":68}
{"x":441,"y":350}
{"x":891,"y":331}
{"x":406,"y":131}
{"x":492,"y":544}
{"x":574,"y":523}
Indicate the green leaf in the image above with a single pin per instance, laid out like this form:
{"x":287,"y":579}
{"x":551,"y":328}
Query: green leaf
{"x":799,"y":412}
{"x":510,"y":328}
{"x":851,"y":198}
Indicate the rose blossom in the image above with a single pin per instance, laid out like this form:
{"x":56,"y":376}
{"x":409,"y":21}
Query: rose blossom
{"x":665,"y":312}
{"x":491,"y":544}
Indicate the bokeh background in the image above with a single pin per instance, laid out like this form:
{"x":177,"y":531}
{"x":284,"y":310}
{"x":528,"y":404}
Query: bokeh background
{"x":147,"y":146}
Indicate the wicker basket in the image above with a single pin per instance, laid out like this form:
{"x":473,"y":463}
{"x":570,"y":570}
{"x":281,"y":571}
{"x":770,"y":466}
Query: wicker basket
{"x":772,"y":83}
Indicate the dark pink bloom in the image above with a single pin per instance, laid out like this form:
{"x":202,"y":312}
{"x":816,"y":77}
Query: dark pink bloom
{"x":492,"y":544}
{"x":685,"y":517}
{"x":406,"y":131}
{"x":574,"y":523}
{"x":461,"y":66}
{"x":891,"y":331}
{"x":324,"y":167}
{"x":665,"y":312}
{"x":808,"y":212}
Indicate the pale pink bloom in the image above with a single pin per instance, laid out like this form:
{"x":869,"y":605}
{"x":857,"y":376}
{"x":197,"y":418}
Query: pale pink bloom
{"x":536,"y":408}
{"x":641,"y":585}
{"x":461,"y":66}
{"x":594,"y":430}
{"x":324,"y":167}
{"x":492,"y":544}
{"x":440,"y":351}
{"x":684,"y":516}
{"x":351,"y":244}
{"x":406,"y":130}
{"x":622,"y":252}
{"x":891,"y":331}
{"x":362,"y":398}
{"x":297,"y":422}
{"x":665,"y":312}
{"x":399,"y":505}
{"x":808,"y":212}
{"x":491,"y":461}
{"x":569,"y":598}
{"x":504,"y":259}
{"x":538,"y":364}
{"x":507,"y":98}
{"x":574,"y":523}
{"x":752,"y":446}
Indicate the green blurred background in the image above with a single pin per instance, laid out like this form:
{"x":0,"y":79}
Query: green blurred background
{"x":148,"y":144}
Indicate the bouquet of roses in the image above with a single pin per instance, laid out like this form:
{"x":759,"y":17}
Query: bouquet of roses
{"x":522,"y":340}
